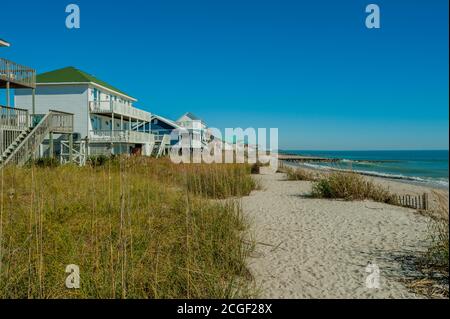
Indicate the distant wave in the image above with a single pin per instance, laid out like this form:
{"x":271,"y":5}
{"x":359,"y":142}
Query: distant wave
{"x":345,"y":160}
{"x":431,"y":181}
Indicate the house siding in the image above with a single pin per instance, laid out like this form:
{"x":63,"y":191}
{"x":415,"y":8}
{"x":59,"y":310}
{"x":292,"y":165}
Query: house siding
{"x":66,"y":98}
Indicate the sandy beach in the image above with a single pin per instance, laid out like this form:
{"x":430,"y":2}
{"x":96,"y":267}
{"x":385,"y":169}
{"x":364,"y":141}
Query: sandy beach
{"x":319,"y":248}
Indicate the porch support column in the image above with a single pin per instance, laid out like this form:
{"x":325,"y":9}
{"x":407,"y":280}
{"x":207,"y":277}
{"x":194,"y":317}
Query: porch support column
{"x":8,"y":98}
{"x":50,"y":141}
{"x":129,"y":129}
{"x":112,"y":131}
{"x":87,"y":149}
{"x":70,"y":147}
{"x":122,"y":132}
{"x":33,"y":101}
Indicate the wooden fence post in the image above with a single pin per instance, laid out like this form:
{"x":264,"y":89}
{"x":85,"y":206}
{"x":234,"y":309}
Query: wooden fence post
{"x":425,"y":201}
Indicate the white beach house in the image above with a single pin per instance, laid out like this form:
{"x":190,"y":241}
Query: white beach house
{"x":188,"y":126}
{"x":105,"y":119}
{"x":197,"y":128}
{"x":21,"y":134}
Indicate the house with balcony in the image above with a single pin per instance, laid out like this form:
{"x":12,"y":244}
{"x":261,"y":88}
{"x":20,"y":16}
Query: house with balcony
{"x":197,"y":128}
{"x":161,"y":126}
{"x":188,"y":127}
{"x":105,"y":118}
{"x":21,"y":131}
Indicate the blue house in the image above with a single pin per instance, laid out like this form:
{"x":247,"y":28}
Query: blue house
{"x":160,"y":126}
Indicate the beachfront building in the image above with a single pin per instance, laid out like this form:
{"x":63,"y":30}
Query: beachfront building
{"x":105,"y":119}
{"x":163,"y":127}
{"x":197,"y":128}
{"x":21,"y":131}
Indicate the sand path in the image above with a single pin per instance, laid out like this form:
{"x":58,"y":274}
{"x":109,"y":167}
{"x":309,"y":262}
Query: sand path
{"x":320,"y":248}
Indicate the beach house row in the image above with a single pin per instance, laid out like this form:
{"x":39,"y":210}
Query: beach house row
{"x":105,"y":117}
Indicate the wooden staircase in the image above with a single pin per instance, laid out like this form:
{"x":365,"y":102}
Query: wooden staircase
{"x":14,"y":145}
{"x":161,"y":145}
{"x":26,"y":144}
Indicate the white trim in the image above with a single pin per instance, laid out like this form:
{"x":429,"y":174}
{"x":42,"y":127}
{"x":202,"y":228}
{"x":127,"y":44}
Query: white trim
{"x":90,"y":83}
{"x":190,"y":118}
{"x":4,"y":43}
{"x":167,"y":121}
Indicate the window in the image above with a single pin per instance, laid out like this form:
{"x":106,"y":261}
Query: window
{"x":96,"y":123}
{"x":95,"y":94}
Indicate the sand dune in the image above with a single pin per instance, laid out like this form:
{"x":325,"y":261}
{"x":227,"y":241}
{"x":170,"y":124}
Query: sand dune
{"x":315,"y":248}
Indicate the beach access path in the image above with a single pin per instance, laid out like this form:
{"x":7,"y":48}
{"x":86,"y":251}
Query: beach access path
{"x":319,"y":248}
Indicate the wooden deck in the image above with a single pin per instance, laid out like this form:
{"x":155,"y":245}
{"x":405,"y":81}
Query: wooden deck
{"x":16,"y":75}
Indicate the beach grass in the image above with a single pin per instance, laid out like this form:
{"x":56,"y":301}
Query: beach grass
{"x":351,"y":186}
{"x":432,"y":267}
{"x":297,"y":174}
{"x":137,"y":228}
{"x":219,"y":181}
{"x":438,"y":255}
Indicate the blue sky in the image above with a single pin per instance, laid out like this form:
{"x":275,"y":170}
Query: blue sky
{"x":310,"y":68}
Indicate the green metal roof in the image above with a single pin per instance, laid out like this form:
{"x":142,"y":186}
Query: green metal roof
{"x":73,"y":75}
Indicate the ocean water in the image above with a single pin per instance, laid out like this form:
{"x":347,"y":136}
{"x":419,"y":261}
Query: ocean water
{"x":428,"y":167}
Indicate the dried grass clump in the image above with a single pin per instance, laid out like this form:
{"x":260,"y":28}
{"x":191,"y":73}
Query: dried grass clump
{"x":432,"y":280}
{"x":351,"y":186}
{"x":438,"y":256}
{"x":300,"y":174}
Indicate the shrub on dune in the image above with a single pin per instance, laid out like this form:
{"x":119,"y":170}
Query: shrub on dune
{"x":351,"y":186}
{"x":300,"y":175}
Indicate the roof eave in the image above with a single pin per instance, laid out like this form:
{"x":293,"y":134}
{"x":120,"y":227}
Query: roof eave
{"x":189,"y":115}
{"x":167,"y":121}
{"x":89,"y":83}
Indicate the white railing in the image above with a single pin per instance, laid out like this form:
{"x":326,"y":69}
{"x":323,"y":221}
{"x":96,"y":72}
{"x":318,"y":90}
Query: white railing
{"x":120,"y":136}
{"x":192,"y":125}
{"x":141,"y":137}
{"x":78,"y":151}
{"x":103,"y":107}
{"x":16,"y":73}
{"x":62,"y":123}
{"x":14,"y":118}
{"x":53,"y":121}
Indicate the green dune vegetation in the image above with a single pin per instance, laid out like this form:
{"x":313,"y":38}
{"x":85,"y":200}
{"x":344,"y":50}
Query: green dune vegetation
{"x":299,"y":174}
{"x":351,"y":186}
{"x":136,"y":227}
